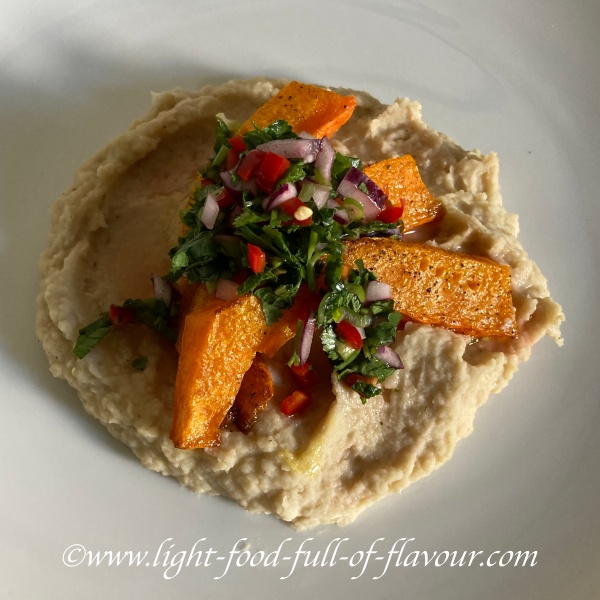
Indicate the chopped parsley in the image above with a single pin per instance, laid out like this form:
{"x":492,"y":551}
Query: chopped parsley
{"x":151,"y":311}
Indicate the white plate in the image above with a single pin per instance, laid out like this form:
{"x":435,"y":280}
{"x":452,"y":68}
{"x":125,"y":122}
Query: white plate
{"x":516,"y":77}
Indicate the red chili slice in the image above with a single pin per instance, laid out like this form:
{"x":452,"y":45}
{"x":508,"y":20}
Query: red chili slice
{"x":119,"y":315}
{"x":352,"y":378}
{"x":237,"y":143}
{"x":225,"y":199}
{"x":232,"y":159}
{"x":305,"y":302}
{"x":349,"y":334}
{"x":303,"y":223}
{"x":295,"y":402}
{"x":256,"y":258}
{"x":271,"y":170}
{"x":304,"y":374}
{"x":290,"y":207}
{"x":390,"y":214}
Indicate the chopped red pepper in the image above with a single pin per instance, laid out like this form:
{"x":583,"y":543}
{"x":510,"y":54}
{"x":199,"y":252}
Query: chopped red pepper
{"x":295,"y":402}
{"x":237,"y":143}
{"x":119,"y":315}
{"x":390,"y":214}
{"x":256,"y":258}
{"x":304,"y":374}
{"x":232,"y":159}
{"x":291,"y":206}
{"x":305,"y":302}
{"x":249,"y":164}
{"x":349,"y":334}
{"x":271,"y":170}
{"x":225,"y":199}
{"x":402,"y":324}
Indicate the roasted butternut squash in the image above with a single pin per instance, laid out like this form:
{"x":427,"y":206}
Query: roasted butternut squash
{"x":305,"y":107}
{"x":401,"y":181}
{"x":464,"y":293}
{"x":218,"y":345}
{"x":254,"y":395}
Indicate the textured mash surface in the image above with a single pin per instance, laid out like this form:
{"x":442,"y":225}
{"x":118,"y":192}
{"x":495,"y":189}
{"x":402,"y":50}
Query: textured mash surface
{"x":114,"y":227}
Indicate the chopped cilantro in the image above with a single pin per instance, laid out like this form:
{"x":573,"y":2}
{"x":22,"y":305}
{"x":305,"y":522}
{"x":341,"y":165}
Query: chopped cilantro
{"x":91,"y":334}
{"x":278,"y":130}
{"x":151,"y":311}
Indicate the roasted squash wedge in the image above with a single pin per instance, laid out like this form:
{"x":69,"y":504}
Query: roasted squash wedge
{"x":254,"y":395}
{"x":218,"y":345}
{"x":305,"y":107}
{"x":467,"y":294}
{"x":401,"y":181}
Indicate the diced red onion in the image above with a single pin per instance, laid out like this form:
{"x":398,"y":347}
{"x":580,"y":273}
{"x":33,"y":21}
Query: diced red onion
{"x":324,"y":160}
{"x":249,"y":164}
{"x":321,"y":195}
{"x":378,"y":290}
{"x":281,"y":195}
{"x":331,"y":203}
{"x":162,"y":289}
{"x":307,"y":150}
{"x":226,"y":289}
{"x":210,"y":211}
{"x":306,"y":338}
{"x":389,"y":357}
{"x":374,"y":192}
{"x":350,"y":190}
{"x":341,"y":216}
{"x":238,"y":186}
{"x":306,"y":136}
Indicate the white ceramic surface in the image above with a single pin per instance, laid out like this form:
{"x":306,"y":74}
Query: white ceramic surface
{"x":516,"y":77}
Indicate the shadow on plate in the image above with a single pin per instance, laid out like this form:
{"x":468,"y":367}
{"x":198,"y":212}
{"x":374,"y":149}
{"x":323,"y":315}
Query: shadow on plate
{"x":49,"y":129}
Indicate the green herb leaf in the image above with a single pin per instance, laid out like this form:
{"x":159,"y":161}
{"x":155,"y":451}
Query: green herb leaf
{"x":155,"y":314}
{"x":223,"y":135}
{"x":91,"y":334}
{"x":278,"y":130}
{"x":340,"y":167}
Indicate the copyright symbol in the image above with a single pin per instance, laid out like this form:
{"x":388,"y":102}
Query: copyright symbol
{"x":74,"y":555}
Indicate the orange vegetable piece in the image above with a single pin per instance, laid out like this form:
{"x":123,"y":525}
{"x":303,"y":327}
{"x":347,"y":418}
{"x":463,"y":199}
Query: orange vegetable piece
{"x":401,"y":181}
{"x":295,"y":402}
{"x":464,"y":293}
{"x":254,"y":395}
{"x":218,"y":345}
{"x":284,"y":330}
{"x":194,"y":296}
{"x":305,"y":107}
